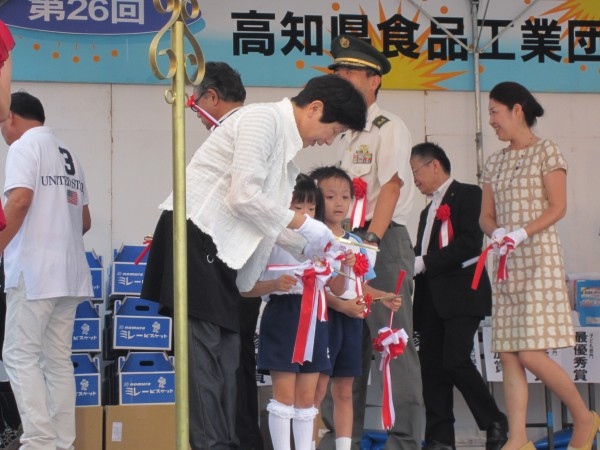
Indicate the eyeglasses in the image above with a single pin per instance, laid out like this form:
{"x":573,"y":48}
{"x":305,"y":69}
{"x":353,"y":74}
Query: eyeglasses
{"x":193,"y":105}
{"x":421,"y":166}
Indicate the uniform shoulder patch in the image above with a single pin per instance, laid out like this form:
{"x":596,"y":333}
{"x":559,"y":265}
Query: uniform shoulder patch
{"x":380,"y":121}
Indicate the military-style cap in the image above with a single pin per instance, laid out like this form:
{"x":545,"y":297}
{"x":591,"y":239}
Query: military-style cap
{"x":348,"y":50}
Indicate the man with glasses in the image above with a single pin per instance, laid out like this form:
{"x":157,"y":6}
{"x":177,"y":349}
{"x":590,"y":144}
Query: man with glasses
{"x":447,"y":311}
{"x":219,"y":95}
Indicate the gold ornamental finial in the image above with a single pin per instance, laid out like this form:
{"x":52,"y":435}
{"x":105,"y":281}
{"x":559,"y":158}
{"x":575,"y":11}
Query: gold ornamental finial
{"x":180,"y":10}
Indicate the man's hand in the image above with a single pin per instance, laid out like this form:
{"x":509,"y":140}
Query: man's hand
{"x":419,"y":265}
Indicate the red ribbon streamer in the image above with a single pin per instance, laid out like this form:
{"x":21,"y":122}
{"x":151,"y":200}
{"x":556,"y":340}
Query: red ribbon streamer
{"x":360,"y":203}
{"x":312,"y":304}
{"x":480,"y":266}
{"x":148,"y":244}
{"x":501,"y":274}
{"x":446,"y":233}
{"x":401,"y":276}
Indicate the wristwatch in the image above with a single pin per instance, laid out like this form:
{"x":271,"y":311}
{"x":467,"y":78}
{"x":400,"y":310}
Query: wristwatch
{"x":369,"y":236}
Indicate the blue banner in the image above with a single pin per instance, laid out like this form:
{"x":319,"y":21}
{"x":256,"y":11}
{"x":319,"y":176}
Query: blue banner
{"x":551,"y":45}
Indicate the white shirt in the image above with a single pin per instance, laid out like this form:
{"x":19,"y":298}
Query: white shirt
{"x":376,"y":154}
{"x":240,"y":183}
{"x":48,"y":249}
{"x":281,"y":257}
{"x":436,"y":200}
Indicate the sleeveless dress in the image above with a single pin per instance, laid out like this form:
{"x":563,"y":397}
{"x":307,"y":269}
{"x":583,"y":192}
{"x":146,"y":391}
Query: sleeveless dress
{"x":531,"y":309}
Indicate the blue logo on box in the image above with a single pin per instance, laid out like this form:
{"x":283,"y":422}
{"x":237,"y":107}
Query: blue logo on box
{"x":87,"y":380}
{"x":86,"y":329}
{"x":138,"y":326}
{"x":146,"y":378}
{"x":147,"y":388}
{"x":143,"y":333}
{"x":128,"y":278}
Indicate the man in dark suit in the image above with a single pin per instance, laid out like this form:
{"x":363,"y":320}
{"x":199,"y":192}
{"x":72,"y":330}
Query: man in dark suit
{"x":447,"y":311}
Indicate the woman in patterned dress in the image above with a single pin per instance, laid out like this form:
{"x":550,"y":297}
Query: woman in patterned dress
{"x":524,"y":195}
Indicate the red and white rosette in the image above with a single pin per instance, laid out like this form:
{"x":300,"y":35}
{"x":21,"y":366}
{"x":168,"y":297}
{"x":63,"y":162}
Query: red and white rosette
{"x":391,"y":344}
{"x":446,"y":232}
{"x":314,"y":276}
{"x":359,"y":210}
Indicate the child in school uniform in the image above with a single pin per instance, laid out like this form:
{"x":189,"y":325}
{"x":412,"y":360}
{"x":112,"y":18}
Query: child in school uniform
{"x":294,"y":383}
{"x":346,"y":312}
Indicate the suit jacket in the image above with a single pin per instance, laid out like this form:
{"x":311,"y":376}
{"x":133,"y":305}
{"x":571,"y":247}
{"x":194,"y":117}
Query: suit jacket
{"x":444,"y":279}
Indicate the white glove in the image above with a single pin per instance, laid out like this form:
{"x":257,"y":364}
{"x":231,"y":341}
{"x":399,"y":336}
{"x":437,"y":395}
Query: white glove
{"x":512,"y":240}
{"x":318,"y":236}
{"x":419,"y":265}
{"x":497,"y":237}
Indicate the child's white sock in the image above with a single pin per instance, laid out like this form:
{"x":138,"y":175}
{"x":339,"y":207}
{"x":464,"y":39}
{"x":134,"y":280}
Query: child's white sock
{"x":303,"y":425}
{"x":343,"y":443}
{"x":279,"y":424}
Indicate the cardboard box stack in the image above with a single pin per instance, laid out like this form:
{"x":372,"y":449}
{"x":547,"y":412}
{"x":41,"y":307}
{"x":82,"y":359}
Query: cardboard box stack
{"x":140,"y":373}
{"x":125,"y":378}
{"x":86,"y":354}
{"x":87,"y":340}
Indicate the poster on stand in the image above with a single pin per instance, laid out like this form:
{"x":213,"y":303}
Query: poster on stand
{"x":581,"y":361}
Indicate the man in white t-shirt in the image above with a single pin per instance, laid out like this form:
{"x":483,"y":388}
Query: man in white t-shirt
{"x":47,"y":274}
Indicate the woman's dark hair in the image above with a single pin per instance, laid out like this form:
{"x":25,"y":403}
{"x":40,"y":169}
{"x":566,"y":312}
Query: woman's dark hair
{"x":510,"y":93}
{"x":342,"y":103}
{"x":306,"y":190}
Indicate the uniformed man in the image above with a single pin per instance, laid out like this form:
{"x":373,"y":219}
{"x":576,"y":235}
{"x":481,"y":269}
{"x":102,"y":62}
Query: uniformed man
{"x":380,"y":156}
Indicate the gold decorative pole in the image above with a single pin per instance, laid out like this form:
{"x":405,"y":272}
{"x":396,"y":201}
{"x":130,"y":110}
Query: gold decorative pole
{"x":180,"y":11}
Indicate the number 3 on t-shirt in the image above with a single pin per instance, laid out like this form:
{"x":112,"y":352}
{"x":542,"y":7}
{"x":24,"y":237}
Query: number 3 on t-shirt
{"x":69,"y":163}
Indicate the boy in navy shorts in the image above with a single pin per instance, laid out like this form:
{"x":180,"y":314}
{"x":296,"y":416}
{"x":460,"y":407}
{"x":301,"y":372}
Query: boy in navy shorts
{"x":346,"y":312}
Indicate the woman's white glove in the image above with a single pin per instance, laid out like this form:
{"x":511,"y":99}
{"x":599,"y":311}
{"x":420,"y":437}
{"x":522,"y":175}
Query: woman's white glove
{"x":512,"y":240}
{"x":497,"y":239}
{"x":318,"y":235}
